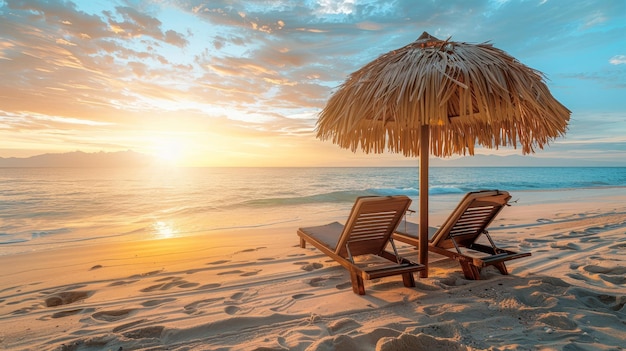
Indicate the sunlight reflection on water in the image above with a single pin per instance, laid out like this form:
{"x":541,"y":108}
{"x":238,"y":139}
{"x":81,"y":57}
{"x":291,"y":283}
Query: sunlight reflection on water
{"x":163,"y":230}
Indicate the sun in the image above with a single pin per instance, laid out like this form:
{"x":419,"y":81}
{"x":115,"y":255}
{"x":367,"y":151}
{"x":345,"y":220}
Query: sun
{"x":168,"y":151}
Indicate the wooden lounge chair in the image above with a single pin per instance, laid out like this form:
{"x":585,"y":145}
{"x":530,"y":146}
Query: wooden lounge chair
{"x":457,"y":237}
{"x":367,"y":231}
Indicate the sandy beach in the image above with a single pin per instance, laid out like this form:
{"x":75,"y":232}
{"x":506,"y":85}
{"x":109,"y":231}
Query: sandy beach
{"x":256,"y":289}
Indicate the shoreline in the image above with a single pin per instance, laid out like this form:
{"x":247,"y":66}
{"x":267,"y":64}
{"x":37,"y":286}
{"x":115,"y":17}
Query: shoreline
{"x":300,"y":215}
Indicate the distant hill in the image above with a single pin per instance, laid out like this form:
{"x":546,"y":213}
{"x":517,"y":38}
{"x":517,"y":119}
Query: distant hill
{"x":81,"y":159}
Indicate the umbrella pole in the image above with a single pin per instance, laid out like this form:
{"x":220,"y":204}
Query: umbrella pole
{"x":423,"y":191}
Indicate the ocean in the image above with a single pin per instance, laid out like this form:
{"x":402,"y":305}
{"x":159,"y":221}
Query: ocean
{"x":53,"y":207}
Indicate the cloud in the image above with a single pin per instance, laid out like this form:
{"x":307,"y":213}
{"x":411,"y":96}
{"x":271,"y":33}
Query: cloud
{"x":618,"y":60}
{"x":258,"y":66}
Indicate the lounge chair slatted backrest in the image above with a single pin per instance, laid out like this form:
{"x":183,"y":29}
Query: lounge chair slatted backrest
{"x":371,"y":224}
{"x":367,"y":231}
{"x":460,"y":232}
{"x":471,"y":218}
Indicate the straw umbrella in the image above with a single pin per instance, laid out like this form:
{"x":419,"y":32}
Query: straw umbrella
{"x":438,"y":97}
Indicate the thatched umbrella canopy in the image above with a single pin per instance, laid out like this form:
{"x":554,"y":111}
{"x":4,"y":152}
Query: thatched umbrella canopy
{"x":436,"y":97}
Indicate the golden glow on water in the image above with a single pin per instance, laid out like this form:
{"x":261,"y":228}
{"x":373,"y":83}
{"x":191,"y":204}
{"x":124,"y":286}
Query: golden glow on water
{"x":164,"y":230}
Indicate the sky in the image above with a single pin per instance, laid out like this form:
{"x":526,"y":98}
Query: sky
{"x":241,"y":83}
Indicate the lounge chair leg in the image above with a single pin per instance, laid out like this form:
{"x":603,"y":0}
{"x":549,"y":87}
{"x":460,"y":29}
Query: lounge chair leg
{"x":357,"y":283}
{"x":501,"y":267}
{"x":408,"y":280}
{"x":470,"y":271}
{"x":302,"y":243}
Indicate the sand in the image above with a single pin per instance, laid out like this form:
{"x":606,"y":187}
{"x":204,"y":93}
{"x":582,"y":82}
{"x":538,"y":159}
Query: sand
{"x":256,"y":289}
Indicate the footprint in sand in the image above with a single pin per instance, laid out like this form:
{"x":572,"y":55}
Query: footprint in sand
{"x":66,"y":313}
{"x":558,"y":321}
{"x":385,"y":286}
{"x":343,"y":325}
{"x":156,"y":302}
{"x":618,"y":246}
{"x":232,"y":310}
{"x":192,"y":308}
{"x":237,"y":296}
{"x":310,"y":266}
{"x":249,"y":274}
{"x":236,"y":300}
{"x":614,"y":275}
{"x":217,"y":262}
{"x":591,"y":239}
{"x":173,"y":282}
{"x":143,"y":275}
{"x":567,"y":246}
{"x":598,"y":300}
{"x":192,"y":271}
{"x":447,"y":330}
{"x":209,"y":286}
{"x":236,"y":271}
{"x":322,"y":281}
{"x":343,"y":286}
{"x":128,"y":325}
{"x":153,"y":332}
{"x":66,"y":298}
{"x":300,"y":296}
{"x":112,"y":316}
{"x":240,"y":272}
{"x":251,"y":250}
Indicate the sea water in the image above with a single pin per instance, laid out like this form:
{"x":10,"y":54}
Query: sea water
{"x":53,"y":207}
